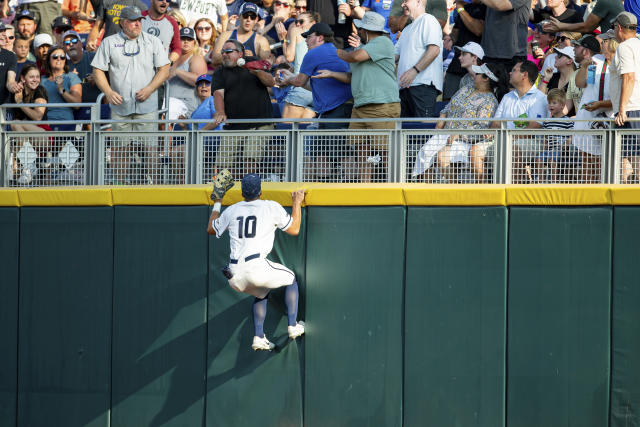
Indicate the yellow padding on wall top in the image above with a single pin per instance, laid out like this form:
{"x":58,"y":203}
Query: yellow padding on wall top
{"x":161,"y":195}
{"x":454,"y":195}
{"x":9,"y":197}
{"x":333,"y":195}
{"x":625,"y":194}
{"x":558,"y":195}
{"x":65,"y":196}
{"x":354,"y":195}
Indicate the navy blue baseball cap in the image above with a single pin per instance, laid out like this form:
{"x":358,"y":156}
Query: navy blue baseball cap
{"x":25,"y":14}
{"x":249,"y":7}
{"x":251,"y":186}
{"x":188,"y":33}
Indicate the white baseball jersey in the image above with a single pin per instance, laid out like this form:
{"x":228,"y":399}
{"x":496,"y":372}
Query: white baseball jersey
{"x":252,"y":226}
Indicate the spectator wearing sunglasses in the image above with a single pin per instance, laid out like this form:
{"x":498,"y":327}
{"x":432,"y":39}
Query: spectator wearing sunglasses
{"x":299,"y":7}
{"x":282,"y":14}
{"x":254,"y":44}
{"x":138,"y":65}
{"x":11,"y":37}
{"x":80,"y":63}
{"x":61,"y":86}
{"x":206,"y":35}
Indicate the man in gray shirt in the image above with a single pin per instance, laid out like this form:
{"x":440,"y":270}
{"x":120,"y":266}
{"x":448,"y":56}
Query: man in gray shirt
{"x":137,"y":64}
{"x":504,"y":38}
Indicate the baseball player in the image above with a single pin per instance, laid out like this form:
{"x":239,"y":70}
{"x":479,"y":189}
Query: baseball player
{"x":252,"y":224}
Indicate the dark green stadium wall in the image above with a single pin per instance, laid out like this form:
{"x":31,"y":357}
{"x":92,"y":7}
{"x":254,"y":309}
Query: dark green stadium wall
{"x":416,"y":316}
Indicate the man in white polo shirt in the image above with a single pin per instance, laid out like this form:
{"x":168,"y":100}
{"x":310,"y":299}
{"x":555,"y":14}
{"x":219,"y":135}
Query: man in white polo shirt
{"x":524,"y":102}
{"x":419,"y":61}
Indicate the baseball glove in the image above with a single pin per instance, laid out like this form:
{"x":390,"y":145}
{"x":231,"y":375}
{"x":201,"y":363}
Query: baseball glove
{"x":258,"y":65}
{"x":221,"y":184}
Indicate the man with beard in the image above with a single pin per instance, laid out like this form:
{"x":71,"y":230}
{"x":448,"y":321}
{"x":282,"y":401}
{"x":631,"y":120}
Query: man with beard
{"x":137,"y":65}
{"x":80,"y":63}
{"x":241,"y":93}
{"x":157,"y":23}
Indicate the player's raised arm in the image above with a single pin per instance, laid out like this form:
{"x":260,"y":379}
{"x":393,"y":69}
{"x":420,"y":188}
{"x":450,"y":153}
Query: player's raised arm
{"x":296,"y":212}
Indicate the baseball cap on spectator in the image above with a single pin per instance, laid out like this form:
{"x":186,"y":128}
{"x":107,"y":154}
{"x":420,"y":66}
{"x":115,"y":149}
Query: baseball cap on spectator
{"x":371,"y":21}
{"x":188,"y":33}
{"x":608,"y":35}
{"x":590,"y":42}
{"x":61,"y":22}
{"x":25,"y":14}
{"x":472,"y":48}
{"x":319,"y":28}
{"x":204,"y":78}
{"x":483,"y":69}
{"x":567,"y":51}
{"x":70,"y":33}
{"x":250,"y":7}
{"x":132,"y":13}
{"x":251,"y":185}
{"x":626,"y":19}
{"x":42,"y":39}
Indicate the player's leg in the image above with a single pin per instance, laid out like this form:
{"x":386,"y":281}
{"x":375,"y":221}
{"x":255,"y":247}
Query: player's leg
{"x":291,"y":296}
{"x":260,"y":341}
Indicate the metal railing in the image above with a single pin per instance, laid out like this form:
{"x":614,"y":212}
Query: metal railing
{"x":297,"y":151}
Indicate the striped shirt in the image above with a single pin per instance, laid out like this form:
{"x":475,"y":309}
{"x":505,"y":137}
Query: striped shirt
{"x":555,"y":142}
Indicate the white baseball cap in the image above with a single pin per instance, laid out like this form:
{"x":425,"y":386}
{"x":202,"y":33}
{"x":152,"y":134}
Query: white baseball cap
{"x":567,"y":51}
{"x":483,"y":69}
{"x":42,"y":39}
{"x":473,"y":48}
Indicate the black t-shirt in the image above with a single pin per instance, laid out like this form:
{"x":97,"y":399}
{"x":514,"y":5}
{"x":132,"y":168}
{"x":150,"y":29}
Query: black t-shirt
{"x":8,"y":62}
{"x":245,"y":97}
{"x":569,"y":16}
{"x":477,"y":11}
{"x":328,"y":10}
{"x":40,"y":92}
{"x":109,"y":12}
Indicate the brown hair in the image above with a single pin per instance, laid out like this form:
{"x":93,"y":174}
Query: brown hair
{"x":214,"y":32}
{"x":47,"y":61}
{"x":557,"y":95}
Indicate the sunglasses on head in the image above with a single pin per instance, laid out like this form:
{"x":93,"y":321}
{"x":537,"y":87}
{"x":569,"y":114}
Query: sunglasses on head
{"x":70,"y":41}
{"x":203,"y":28}
{"x":249,"y":15}
{"x":59,"y":57}
{"x":229,"y":50}
{"x":279,"y":3}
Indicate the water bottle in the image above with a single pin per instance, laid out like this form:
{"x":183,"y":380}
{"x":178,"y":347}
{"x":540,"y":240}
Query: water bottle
{"x":341,"y":16}
{"x":591,"y":74}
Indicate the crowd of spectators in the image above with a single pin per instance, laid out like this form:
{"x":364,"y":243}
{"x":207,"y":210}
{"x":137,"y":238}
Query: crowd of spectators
{"x":533,"y":61}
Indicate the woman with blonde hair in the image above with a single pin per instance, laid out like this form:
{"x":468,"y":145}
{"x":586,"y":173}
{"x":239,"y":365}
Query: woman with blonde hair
{"x":179,"y":17}
{"x":183,"y":75}
{"x":206,"y":35}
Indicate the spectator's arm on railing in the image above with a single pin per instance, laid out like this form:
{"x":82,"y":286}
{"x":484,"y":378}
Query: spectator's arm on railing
{"x":218,"y":103}
{"x":113,"y":97}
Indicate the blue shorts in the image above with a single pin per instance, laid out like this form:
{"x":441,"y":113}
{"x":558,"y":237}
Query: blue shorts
{"x":550,"y":156}
{"x":299,"y":97}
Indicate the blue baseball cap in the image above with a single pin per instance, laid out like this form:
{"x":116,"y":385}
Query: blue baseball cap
{"x":204,"y":78}
{"x":249,"y":7}
{"x":251,"y":186}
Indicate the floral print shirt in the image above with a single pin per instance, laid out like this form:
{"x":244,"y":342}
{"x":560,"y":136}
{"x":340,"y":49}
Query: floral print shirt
{"x":467,"y":103}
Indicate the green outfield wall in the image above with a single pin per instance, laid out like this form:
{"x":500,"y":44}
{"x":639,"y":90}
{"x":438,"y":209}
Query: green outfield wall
{"x":423,"y":309}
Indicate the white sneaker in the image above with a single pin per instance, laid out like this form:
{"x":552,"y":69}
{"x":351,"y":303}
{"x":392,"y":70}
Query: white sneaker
{"x":296,"y":331}
{"x":262,"y":344}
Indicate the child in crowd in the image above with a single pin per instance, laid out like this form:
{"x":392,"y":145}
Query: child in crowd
{"x":556,"y":147}
{"x":21,"y":48}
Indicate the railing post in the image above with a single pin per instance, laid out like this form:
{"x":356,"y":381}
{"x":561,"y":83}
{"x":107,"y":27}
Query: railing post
{"x":5,"y":151}
{"x":615,"y":161}
{"x":295,"y":158}
{"x":196,"y":153}
{"x":504,"y":146}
